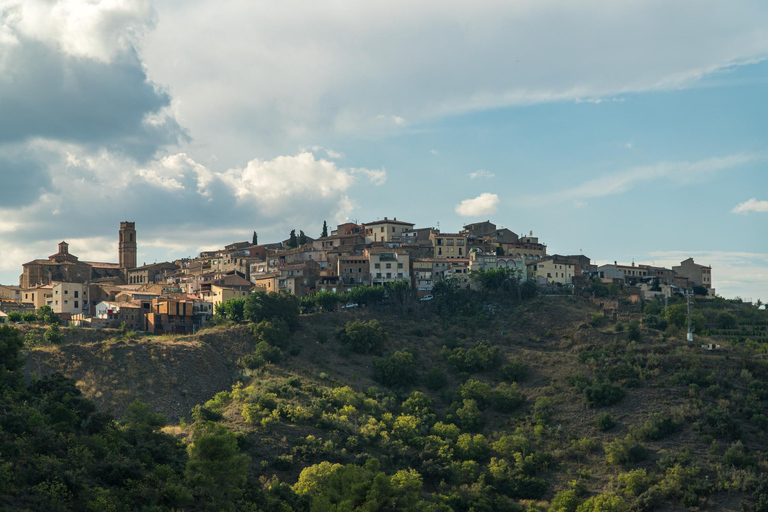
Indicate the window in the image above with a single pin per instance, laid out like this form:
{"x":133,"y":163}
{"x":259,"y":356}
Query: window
{"x":389,"y":265}
{"x":399,"y":265}
{"x":66,"y":292}
{"x":77,"y":304}
{"x":359,"y":269}
{"x":389,"y":275}
{"x":378,"y":274}
{"x":377,"y":265}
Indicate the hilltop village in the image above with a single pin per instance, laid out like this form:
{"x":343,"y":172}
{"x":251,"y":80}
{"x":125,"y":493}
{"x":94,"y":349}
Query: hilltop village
{"x":180,"y":296}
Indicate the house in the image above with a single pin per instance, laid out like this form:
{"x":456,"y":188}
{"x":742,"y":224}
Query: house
{"x":555,"y":269}
{"x":69,"y":299}
{"x":698,"y":275}
{"x":115,"y":313}
{"x":447,"y":245}
{"x":388,"y":265}
{"x":224,"y":289}
{"x":631,"y":274}
{"x":385,"y":230}
{"x":486,"y":261}
{"x":10,"y":293}
{"x":353,"y":270}
{"x":528,"y":248}
{"x":171,"y":316}
{"x":152,"y":273}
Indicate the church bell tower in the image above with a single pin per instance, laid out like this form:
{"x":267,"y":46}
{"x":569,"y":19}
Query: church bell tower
{"x":127,"y":246}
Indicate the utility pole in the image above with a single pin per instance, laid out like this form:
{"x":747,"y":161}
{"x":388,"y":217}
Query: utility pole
{"x":690,"y":327}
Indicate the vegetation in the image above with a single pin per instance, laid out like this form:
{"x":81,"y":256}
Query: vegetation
{"x":505,"y":404}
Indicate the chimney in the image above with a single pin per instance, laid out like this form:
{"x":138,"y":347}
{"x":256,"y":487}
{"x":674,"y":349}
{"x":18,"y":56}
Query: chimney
{"x":615,"y":264}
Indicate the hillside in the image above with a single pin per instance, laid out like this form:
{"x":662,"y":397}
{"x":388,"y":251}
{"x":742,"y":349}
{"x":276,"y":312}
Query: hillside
{"x":544,"y":404}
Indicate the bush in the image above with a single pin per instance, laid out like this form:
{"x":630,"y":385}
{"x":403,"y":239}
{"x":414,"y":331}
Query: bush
{"x":470,"y":416}
{"x":436,"y":379}
{"x":619,"y":327}
{"x":633,"y":330}
{"x":634,"y":482}
{"x":603,"y":395}
{"x":514,"y":371}
{"x":726,"y":320}
{"x":476,"y":359}
{"x":624,"y":451}
{"x":398,"y":370}
{"x":658,"y":426}
{"x":29,"y":317}
{"x":604,"y":503}
{"x":605,"y":422}
{"x":362,"y":337}
{"x":275,"y":332}
{"x":506,"y":397}
{"x":14,"y":316}
{"x":480,"y":392}
{"x":53,"y":335}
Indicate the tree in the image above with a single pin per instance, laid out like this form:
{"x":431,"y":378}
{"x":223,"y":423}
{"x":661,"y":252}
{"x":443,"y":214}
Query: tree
{"x":14,"y":316}
{"x":255,"y":240}
{"x":726,"y":320}
{"x":46,"y":315}
{"x":325,"y":230}
{"x":396,"y":370}
{"x":293,"y":242}
{"x":215,"y":470}
{"x":10,"y":362}
{"x":53,"y":335}
{"x":499,"y":251}
{"x":302,"y":238}
{"x":362,"y":337}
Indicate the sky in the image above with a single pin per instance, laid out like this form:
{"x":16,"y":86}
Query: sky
{"x":626,"y":131}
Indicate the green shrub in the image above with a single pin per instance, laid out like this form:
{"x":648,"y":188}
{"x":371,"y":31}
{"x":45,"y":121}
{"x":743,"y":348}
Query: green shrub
{"x":609,"y":502}
{"x":470,"y":416}
{"x":436,"y":379}
{"x":658,"y":426}
{"x":633,"y":330}
{"x":605,"y":422}
{"x":398,"y":370}
{"x":14,"y":316}
{"x":514,"y":371}
{"x":362,"y":337}
{"x":634,"y":482}
{"x":618,"y":327}
{"x":624,"y":451}
{"x":506,"y":397}
{"x":579,"y":381}
{"x":479,"y":358}
{"x":53,"y":334}
{"x":29,"y":317}
{"x":726,"y":320}
{"x":476,"y":390}
{"x":603,"y":395}
{"x":565,"y":501}
{"x":469,"y":447}
{"x":267,"y":352}
{"x":275,"y":332}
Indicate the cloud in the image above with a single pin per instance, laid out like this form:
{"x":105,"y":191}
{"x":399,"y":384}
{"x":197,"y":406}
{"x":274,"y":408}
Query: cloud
{"x":69,"y":72}
{"x":629,"y":145}
{"x":623,"y":181}
{"x":434,"y":152}
{"x":484,"y":204}
{"x":322,"y":73}
{"x":481,"y":173}
{"x":752,"y":205}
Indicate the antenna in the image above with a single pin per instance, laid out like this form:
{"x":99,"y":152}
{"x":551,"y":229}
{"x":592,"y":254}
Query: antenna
{"x":690,"y":327}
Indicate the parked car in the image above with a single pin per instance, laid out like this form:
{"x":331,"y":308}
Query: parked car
{"x":426,"y":298}
{"x":349,"y":305}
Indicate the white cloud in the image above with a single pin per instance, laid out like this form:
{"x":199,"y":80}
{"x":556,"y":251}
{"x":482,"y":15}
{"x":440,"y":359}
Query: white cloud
{"x":81,"y":28}
{"x":484,"y":204}
{"x":481,"y":173}
{"x":434,"y":151}
{"x":752,"y":205}
{"x":322,"y":72}
{"x":629,"y":145}
{"x":623,"y":181}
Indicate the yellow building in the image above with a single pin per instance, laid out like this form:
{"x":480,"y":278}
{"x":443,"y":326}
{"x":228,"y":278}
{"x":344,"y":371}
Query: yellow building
{"x":448,"y":245}
{"x":554,"y":269}
{"x":388,"y":265}
{"x":385,"y":230}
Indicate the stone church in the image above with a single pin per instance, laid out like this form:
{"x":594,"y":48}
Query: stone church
{"x":66,"y":267}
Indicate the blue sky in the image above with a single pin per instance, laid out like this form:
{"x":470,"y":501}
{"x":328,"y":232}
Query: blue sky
{"x":628,"y":131}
